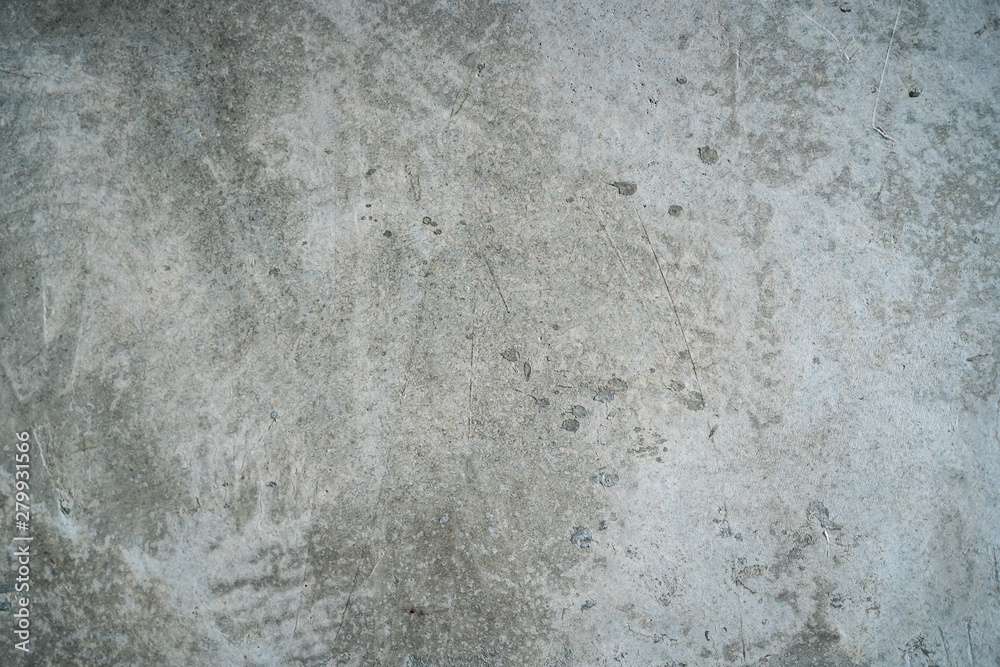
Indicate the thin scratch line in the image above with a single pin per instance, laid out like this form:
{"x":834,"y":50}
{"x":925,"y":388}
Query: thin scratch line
{"x":496,"y":283}
{"x":13,"y":73}
{"x":463,"y":95}
{"x":885,"y":66}
{"x":968,"y":630}
{"x":472,"y":352}
{"x":297,"y":609}
{"x":824,"y":28}
{"x":996,"y":569}
{"x":45,"y":319}
{"x":642,"y":302}
{"x":343,"y":614}
{"x":617,"y":251}
{"x":947,"y":656}
{"x":413,"y":343}
{"x":673,"y":304}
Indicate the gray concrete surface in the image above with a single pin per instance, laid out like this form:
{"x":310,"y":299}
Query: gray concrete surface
{"x":343,"y":337}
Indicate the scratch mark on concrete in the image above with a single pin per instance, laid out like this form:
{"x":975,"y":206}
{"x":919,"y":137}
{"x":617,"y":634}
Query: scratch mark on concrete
{"x":45,"y":318}
{"x":343,"y":614}
{"x":947,"y":655}
{"x":611,"y":241}
{"x":743,"y":638}
{"x":13,"y":73}
{"x":968,"y":636}
{"x":472,"y":352}
{"x":827,"y":31}
{"x":460,"y":99}
{"x":414,"y":175}
{"x":998,"y":423}
{"x":472,"y":248}
{"x":878,"y":94}
{"x":298,"y":607}
{"x":365,"y":556}
{"x":673,"y":304}
{"x":413,"y":343}
{"x":996,"y":569}
{"x":496,"y":283}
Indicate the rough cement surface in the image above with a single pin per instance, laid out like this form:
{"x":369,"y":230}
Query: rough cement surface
{"x":476,"y":333}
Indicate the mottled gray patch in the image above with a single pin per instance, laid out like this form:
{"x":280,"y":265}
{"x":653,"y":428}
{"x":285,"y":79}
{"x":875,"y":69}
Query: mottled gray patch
{"x":617,"y":384}
{"x":693,"y":400}
{"x":607,"y":479}
{"x":582,"y":537}
{"x":708,"y":155}
{"x":627,"y":188}
{"x":818,"y":642}
{"x":817,"y":511}
{"x":604,"y":395}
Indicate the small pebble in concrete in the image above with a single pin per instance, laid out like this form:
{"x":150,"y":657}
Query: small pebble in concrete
{"x":570,"y":425}
{"x":387,"y":234}
{"x":588,"y":604}
{"x":675,"y":210}
{"x":682,"y":80}
{"x":582,"y":537}
{"x":603,"y":525}
{"x":510,"y":354}
{"x":274,"y":415}
{"x":527,"y":371}
{"x":579,"y":411}
{"x":915,"y":92}
{"x":845,"y":6}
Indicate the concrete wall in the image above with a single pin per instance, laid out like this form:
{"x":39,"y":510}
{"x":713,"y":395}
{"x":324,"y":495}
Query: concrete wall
{"x":481,"y":333}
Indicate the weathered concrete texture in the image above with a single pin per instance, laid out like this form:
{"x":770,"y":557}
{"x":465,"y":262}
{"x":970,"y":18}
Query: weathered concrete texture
{"x":480,"y":333}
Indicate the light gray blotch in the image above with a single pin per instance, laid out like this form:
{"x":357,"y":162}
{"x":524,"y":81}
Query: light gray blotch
{"x":582,"y":537}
